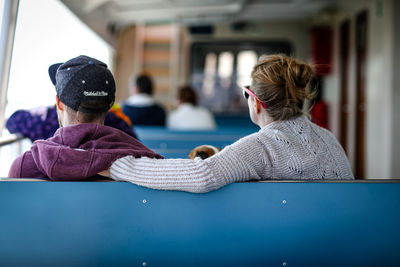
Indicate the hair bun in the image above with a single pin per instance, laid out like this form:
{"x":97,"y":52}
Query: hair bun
{"x":282,"y":83}
{"x":301,"y":73}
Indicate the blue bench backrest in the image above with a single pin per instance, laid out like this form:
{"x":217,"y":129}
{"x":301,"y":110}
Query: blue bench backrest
{"x":234,"y":120}
{"x":243,"y":224}
{"x":178,"y":144}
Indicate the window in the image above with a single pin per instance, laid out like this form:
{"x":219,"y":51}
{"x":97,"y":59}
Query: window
{"x":209,"y":74}
{"x":219,"y":69}
{"x":246,"y":61}
{"x":46,"y":33}
{"x":225,"y":69}
{"x":1,"y":12}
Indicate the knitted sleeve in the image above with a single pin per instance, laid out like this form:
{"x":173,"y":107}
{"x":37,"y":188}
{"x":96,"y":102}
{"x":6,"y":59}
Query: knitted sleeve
{"x":166,"y":174}
{"x":240,"y":161}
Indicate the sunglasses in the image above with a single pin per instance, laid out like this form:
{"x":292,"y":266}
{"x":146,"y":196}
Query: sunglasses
{"x":247,"y":92}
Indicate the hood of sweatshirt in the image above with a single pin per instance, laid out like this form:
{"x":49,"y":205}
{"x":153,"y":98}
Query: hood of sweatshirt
{"x":83,"y":150}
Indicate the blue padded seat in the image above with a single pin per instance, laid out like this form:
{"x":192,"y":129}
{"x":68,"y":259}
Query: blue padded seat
{"x":243,"y":224}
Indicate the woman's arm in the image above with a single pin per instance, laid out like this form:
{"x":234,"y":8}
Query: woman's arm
{"x":166,"y":174}
{"x":241,"y":161}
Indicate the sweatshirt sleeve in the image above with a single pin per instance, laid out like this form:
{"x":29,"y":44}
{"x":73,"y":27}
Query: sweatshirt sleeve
{"x":15,"y":169}
{"x":239,"y":162}
{"x":24,"y":167}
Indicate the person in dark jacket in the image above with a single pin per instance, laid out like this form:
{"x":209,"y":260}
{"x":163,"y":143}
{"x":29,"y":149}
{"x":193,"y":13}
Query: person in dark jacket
{"x":141,"y":107}
{"x":85,"y":92}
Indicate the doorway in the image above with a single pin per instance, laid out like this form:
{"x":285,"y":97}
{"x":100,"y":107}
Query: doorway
{"x":361,"y":64}
{"x":344,"y":33}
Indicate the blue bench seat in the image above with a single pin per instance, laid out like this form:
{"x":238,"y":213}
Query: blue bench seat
{"x":243,"y":224}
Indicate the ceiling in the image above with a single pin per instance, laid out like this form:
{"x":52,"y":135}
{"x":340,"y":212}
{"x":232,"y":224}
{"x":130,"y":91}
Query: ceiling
{"x":105,"y":16}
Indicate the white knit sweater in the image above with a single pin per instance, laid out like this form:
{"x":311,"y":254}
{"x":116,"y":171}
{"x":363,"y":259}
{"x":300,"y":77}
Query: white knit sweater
{"x":293,"y":149}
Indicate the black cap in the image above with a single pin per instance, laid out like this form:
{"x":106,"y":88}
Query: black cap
{"x":81,"y":80}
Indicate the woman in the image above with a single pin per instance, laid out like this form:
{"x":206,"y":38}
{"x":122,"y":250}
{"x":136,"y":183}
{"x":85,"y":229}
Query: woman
{"x":188,"y":115}
{"x":288,"y":146}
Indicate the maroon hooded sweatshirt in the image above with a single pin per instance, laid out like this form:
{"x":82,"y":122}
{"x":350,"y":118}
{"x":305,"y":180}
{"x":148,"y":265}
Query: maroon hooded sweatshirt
{"x":77,"y":152}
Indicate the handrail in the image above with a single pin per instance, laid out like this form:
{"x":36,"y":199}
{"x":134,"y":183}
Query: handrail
{"x":13,"y":138}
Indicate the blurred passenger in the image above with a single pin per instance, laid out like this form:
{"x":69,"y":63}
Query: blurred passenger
{"x":288,"y":145}
{"x":141,"y":107}
{"x":42,"y":122}
{"x":85,"y":92}
{"x":189,"y":116}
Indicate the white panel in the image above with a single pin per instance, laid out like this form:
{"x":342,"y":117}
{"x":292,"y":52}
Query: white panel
{"x":395,"y":159}
{"x":379,"y":92}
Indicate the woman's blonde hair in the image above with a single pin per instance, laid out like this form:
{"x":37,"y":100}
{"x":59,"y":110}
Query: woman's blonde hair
{"x":281,"y":82}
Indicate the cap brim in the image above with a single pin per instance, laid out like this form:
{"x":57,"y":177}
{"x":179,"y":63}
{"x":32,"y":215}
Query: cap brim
{"x":52,"y":72}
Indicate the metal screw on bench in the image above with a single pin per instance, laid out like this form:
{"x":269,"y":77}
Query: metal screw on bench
{"x":144,"y":201}
{"x":284,"y":201}
{"x":144,"y":263}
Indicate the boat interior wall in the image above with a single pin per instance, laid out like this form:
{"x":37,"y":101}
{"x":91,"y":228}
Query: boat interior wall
{"x":107,"y":16}
{"x":153,"y":49}
{"x":380,"y":101}
{"x":295,"y":32}
{"x":124,"y":62}
{"x":395,"y":119}
{"x":164,"y":50}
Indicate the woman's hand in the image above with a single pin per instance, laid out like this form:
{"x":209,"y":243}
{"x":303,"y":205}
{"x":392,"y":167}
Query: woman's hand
{"x":204,"y":151}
